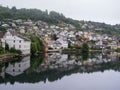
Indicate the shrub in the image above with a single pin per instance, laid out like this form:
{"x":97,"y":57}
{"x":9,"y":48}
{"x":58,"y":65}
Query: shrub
{"x":6,"y":47}
{"x":1,"y":50}
{"x":118,"y":49}
{"x":13,"y":50}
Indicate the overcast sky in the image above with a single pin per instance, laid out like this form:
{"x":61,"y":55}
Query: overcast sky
{"x":107,"y":11}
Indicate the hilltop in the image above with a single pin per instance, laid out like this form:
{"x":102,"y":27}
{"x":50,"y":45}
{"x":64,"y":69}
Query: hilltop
{"x":56,"y":18}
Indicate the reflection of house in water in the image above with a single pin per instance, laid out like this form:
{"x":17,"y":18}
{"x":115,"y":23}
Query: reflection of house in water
{"x":18,"y":68}
{"x":101,"y":58}
{"x":56,"y":58}
{"x":53,"y":68}
{"x":2,"y":73}
{"x":57,"y":61}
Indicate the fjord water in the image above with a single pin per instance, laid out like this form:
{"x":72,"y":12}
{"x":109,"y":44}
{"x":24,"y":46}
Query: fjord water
{"x":57,"y":71}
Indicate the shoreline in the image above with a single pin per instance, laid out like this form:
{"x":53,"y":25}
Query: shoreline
{"x":11,"y":57}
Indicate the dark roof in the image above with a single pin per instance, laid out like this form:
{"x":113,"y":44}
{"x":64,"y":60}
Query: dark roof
{"x":2,"y":33}
{"x":13,"y":32}
{"x":25,"y":38}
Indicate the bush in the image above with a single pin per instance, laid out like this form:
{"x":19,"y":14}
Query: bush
{"x":78,"y":47}
{"x":2,"y":28}
{"x":13,"y":50}
{"x":118,"y":50}
{"x":6,"y":47}
{"x":1,"y":50}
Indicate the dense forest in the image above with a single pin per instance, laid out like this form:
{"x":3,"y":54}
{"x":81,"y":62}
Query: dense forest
{"x":35,"y":14}
{"x":56,"y":18}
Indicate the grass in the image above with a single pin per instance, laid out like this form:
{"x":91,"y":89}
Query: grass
{"x":7,"y":54}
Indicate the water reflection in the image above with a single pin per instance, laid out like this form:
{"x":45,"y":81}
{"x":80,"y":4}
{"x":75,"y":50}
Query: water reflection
{"x":17,"y":68}
{"x":54,"y":66}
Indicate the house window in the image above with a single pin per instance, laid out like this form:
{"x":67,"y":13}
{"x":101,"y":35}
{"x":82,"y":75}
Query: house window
{"x":20,"y":41}
{"x":19,"y":46}
{"x":14,"y":41}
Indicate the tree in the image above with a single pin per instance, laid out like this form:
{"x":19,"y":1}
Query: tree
{"x":85,"y":47}
{"x":54,"y":37}
{"x":33,"y":48}
{"x":14,"y":9}
{"x":85,"y":56}
{"x":1,"y":50}
{"x":2,"y":28}
{"x":6,"y":47}
{"x":36,"y":45}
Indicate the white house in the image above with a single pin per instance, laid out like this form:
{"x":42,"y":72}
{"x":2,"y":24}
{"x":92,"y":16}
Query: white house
{"x":22,"y":29}
{"x":18,"y":42}
{"x":64,"y":44}
{"x":100,"y":42}
{"x":93,"y":37}
{"x":50,"y":43}
{"x":2,"y":41}
{"x":59,"y":43}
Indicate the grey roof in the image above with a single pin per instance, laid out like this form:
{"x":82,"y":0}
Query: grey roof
{"x":13,"y":32}
{"x":25,"y":38}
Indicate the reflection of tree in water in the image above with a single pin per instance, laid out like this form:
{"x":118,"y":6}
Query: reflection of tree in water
{"x":1,"y":66}
{"x":36,"y":61}
{"x":80,"y":56}
{"x":33,"y":76}
{"x":85,"y":56}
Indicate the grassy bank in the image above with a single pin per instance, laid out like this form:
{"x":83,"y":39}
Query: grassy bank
{"x":8,"y":57}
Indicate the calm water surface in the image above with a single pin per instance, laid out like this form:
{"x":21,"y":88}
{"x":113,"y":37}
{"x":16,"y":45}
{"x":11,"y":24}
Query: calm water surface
{"x":62,"y":72}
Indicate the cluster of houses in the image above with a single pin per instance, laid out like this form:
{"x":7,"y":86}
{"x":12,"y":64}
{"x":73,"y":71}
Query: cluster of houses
{"x":54,"y":36}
